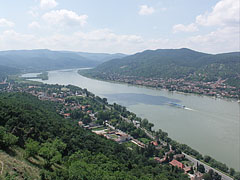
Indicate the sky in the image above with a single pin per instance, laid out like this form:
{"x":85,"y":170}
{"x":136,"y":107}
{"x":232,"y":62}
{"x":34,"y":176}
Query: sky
{"x":120,"y":26}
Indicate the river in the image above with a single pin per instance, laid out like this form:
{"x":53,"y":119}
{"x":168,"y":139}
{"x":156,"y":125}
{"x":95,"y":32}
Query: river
{"x":208,"y":125}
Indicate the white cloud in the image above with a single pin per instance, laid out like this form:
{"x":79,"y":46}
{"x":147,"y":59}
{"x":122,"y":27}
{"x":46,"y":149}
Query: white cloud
{"x":145,"y":10}
{"x":5,"y":23}
{"x":12,"y":40}
{"x":33,"y":13}
{"x":100,"y":40}
{"x":222,"y":40}
{"x":224,"y":13}
{"x":107,"y":35}
{"x":224,"y":23}
{"x":188,"y":28}
{"x":34,"y":25}
{"x":48,"y":4}
{"x":105,"y":40}
{"x":65,"y":18}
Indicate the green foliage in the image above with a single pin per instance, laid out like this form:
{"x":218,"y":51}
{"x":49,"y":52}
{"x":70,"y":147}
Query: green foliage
{"x":6,"y":139}
{"x":211,"y":175}
{"x":31,"y":148}
{"x":52,"y":152}
{"x":201,"y":168}
{"x":146,"y":124}
{"x":231,"y":171}
{"x":237,"y":176}
{"x":70,"y":152}
{"x":172,"y":63}
{"x":216,"y":164}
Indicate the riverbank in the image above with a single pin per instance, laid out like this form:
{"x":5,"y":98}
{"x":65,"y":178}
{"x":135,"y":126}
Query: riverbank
{"x":219,"y":116}
{"x":157,"y":87}
{"x":65,"y":93}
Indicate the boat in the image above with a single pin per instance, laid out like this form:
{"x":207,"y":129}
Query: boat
{"x":176,"y":105}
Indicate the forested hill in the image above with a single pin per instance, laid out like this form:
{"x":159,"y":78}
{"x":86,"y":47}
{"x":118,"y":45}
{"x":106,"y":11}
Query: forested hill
{"x":56,"y":148}
{"x":174,"y":63}
{"x":43,"y":59}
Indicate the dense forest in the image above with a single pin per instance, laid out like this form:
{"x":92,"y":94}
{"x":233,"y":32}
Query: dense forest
{"x":60,"y":149}
{"x":173,"y":63}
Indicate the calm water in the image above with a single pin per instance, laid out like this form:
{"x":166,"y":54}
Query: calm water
{"x":210,"y":126}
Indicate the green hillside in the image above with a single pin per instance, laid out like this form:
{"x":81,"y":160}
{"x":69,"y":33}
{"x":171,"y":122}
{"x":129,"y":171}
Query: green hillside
{"x":173,"y":63}
{"x":34,"y":137}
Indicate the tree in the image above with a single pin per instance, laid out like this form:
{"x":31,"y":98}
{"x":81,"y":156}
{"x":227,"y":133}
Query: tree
{"x":86,"y":119}
{"x":51,"y":152}
{"x":191,"y":171}
{"x":7,"y":139}
{"x":31,"y":148}
{"x":201,"y":168}
{"x":232,"y":171}
{"x":207,"y":176}
{"x":207,"y":158}
{"x":144,"y":122}
{"x":237,"y":175}
{"x":149,"y":126}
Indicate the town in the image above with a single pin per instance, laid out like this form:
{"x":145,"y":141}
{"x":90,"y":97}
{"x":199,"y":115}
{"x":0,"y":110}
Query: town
{"x":114,"y":122}
{"x":217,"y":89}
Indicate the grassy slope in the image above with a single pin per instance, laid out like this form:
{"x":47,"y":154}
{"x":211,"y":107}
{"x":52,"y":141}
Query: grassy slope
{"x":15,"y":165}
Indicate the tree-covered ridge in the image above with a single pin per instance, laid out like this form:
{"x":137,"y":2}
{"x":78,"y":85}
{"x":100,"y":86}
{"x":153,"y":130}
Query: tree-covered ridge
{"x":172,"y":63}
{"x":5,"y":71}
{"x":69,"y":151}
{"x":176,"y":69}
{"x":43,"y":59}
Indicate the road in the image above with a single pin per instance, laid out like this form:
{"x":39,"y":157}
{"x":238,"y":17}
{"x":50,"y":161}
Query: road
{"x":195,"y":161}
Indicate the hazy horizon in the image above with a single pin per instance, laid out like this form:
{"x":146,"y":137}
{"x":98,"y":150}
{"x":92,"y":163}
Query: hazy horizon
{"x":124,"y":27}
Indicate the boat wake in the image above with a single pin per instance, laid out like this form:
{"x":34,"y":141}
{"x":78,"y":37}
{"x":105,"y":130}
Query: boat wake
{"x":180,"y":106}
{"x":189,"y":109}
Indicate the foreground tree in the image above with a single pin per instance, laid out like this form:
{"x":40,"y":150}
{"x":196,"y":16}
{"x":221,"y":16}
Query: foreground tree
{"x":6,"y":139}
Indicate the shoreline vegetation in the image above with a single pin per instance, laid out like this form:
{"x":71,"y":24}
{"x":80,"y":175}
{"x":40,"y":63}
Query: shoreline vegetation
{"x":85,"y":73}
{"x":125,"y":121}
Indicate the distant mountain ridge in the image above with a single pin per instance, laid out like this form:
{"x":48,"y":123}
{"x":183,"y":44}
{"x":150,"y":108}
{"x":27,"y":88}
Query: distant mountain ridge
{"x":173,"y":63}
{"x":101,"y":57}
{"x":44,"y":59}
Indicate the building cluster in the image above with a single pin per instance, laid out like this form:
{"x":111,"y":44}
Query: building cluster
{"x":175,"y":161}
{"x":213,"y":88}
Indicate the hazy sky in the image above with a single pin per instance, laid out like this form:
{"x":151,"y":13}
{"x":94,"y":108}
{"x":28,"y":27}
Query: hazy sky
{"x":126,"y":26}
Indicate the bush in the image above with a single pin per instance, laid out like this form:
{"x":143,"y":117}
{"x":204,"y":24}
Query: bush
{"x":7,"y":139}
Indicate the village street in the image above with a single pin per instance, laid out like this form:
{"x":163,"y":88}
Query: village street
{"x":207,"y":168}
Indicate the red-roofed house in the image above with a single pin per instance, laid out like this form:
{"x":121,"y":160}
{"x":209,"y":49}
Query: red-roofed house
{"x":66,"y":115}
{"x":177,"y":163}
{"x":154,"y":143}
